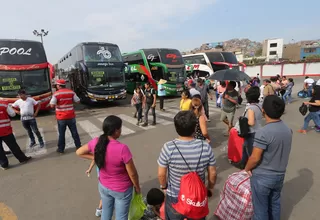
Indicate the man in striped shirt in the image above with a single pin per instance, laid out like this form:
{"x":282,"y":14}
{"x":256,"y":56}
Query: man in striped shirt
{"x":172,"y":166}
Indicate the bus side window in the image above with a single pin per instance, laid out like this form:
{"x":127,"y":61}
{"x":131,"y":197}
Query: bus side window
{"x":157,"y":73}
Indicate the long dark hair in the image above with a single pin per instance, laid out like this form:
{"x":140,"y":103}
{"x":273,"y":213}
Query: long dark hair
{"x":110,"y":125}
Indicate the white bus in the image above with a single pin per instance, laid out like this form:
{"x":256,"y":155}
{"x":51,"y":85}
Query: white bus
{"x":205,"y":64}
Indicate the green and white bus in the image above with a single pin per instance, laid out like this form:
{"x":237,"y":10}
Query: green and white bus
{"x":151,"y":65}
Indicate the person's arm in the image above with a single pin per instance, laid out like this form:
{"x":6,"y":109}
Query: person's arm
{"x":154,"y":99}
{"x":265,"y":91}
{"x":203,"y":127}
{"x":36,"y":103}
{"x":260,"y":144}
{"x":84,"y":152}
{"x":212,"y":170}
{"x":53,"y":102}
{"x":234,"y":99}
{"x":133,"y":174}
{"x":209,"y":93}
{"x":163,"y":162}
{"x":90,"y":167}
{"x":11,"y":111}
{"x":76,"y":99}
{"x":316,"y":103}
{"x":250,"y":116}
{"x":14,"y":107}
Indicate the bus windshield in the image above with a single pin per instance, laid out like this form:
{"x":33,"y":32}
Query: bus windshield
{"x":21,"y":53}
{"x":176,"y":75}
{"x":197,"y":59}
{"x":102,"y":53}
{"x":35,"y":82}
{"x":171,"y":57}
{"x":106,"y":77}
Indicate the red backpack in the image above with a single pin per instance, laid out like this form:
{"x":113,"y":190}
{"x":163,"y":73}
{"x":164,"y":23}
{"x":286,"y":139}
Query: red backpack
{"x":192,"y":199}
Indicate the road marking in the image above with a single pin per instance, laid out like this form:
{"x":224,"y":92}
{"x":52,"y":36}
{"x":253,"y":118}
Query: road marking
{"x":133,"y":121}
{"x":124,"y":129}
{"x":68,"y":138}
{"x":90,"y":128}
{"x":36,"y":150}
{"x":6,"y":213}
{"x":214,"y":109}
{"x":173,"y":110}
{"x":165,"y":114}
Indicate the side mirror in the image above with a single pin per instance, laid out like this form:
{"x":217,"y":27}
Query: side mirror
{"x":127,"y":69}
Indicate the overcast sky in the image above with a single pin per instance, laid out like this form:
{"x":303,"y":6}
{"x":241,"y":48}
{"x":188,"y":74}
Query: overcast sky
{"x":135,"y":24}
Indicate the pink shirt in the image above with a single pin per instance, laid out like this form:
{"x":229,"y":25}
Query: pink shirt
{"x":114,"y":175}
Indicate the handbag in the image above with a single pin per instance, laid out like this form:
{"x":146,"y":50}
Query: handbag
{"x":303,"y":109}
{"x":244,"y":127}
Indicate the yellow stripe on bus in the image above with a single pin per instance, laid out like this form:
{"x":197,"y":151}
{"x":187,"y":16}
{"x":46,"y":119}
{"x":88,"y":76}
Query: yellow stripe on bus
{"x":6,"y":213}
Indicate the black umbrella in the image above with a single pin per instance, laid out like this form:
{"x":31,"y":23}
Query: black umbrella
{"x":230,"y":75}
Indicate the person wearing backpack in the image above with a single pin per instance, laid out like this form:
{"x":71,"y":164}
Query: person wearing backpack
{"x":150,"y":103}
{"x":183,"y":163}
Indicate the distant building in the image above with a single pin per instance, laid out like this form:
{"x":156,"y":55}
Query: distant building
{"x":310,"y":49}
{"x":292,"y":52}
{"x":272,"y":49}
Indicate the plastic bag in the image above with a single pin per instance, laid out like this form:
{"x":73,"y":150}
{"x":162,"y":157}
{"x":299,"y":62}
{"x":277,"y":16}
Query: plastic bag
{"x":137,"y":207}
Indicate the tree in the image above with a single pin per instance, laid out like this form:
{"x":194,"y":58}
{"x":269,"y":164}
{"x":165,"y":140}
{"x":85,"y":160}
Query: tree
{"x":258,"y":52}
{"x":313,"y":57}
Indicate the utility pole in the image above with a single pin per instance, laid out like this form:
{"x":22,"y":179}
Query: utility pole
{"x":41,"y":34}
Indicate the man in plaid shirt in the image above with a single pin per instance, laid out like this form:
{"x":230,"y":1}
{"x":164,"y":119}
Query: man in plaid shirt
{"x":269,"y":160}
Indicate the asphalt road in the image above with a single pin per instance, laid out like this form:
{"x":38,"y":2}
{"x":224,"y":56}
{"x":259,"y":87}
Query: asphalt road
{"x":56,"y":187}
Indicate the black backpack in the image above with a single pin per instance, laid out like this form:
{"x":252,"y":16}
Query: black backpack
{"x":303,"y":109}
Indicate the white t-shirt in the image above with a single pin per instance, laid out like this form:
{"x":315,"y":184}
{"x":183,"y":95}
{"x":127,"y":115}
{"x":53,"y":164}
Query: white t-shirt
{"x":26,"y":108}
{"x":194,"y":92}
{"x":309,"y":81}
{"x":261,"y":92}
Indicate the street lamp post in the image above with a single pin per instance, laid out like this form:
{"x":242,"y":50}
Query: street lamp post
{"x":41,"y":34}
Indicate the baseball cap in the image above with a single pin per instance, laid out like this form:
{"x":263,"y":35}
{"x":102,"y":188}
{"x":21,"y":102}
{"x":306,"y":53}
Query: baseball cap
{"x":60,"y":82}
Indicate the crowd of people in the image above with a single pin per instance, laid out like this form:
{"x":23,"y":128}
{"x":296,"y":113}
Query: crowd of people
{"x":265,"y":158}
{"x":187,"y":157}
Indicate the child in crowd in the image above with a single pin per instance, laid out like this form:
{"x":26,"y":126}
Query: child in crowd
{"x":155,"y":205}
{"x":99,"y":209}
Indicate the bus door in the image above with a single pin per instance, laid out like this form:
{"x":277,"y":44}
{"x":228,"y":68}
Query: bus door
{"x":153,"y":57}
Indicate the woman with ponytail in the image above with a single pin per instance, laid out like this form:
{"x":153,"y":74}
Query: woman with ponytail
{"x":117,"y":172}
{"x":201,"y":127}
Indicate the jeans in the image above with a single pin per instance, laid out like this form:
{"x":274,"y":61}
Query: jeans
{"x":153,"y":110}
{"x":32,"y":127}
{"x":311,"y":116}
{"x":309,"y":91}
{"x":171,"y":213}
{"x":11,"y":142}
{"x":247,"y":148}
{"x":139,"y":111}
{"x":62,"y":126}
{"x":217,"y":97}
{"x":206,"y":108}
{"x":266,"y":193}
{"x":161,"y":99}
{"x":287,"y":97}
{"x":120,"y":201}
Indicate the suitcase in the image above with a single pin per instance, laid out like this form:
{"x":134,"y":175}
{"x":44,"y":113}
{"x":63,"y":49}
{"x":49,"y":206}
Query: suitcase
{"x":235,"y":146}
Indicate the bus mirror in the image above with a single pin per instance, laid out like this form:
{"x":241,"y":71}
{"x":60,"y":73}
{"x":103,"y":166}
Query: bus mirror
{"x":127,"y":69}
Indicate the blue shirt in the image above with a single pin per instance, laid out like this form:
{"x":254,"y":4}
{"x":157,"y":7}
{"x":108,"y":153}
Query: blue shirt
{"x":191,"y":150}
{"x":160,"y":91}
{"x":275,"y":140}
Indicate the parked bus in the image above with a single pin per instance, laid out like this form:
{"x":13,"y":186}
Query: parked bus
{"x":24,"y":65}
{"x":205,"y":64}
{"x":151,"y":65}
{"x":95,"y":71}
